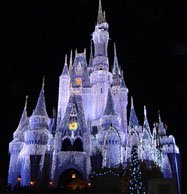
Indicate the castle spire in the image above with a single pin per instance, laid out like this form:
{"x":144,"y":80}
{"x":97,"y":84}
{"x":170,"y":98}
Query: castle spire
{"x":116,"y":69}
{"x":161,"y":128}
{"x":40,"y":108}
{"x":24,"y":118}
{"x":85,"y":51}
{"x":90,"y":64}
{"x":65,"y":69}
{"x":71,"y":62}
{"x":101,"y":15}
{"x":123,"y":85}
{"x":133,"y":120}
{"x":146,"y":123}
{"x":159,"y":117}
{"x":109,"y":110}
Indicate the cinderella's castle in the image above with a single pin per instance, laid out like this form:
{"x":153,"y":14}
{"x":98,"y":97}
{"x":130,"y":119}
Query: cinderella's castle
{"x":90,"y":128}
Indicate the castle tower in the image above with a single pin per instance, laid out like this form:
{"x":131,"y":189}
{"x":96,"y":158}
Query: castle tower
{"x":119,"y":92}
{"x":64,"y":92}
{"x":101,"y":78}
{"x":90,"y":63}
{"x":80,"y":82}
{"x":15,"y":147}
{"x":123,"y":105}
{"x":133,"y":120}
{"x":35,"y":142}
{"x":146,"y":138}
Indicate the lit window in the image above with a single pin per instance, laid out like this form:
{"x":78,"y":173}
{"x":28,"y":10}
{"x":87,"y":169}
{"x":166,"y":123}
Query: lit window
{"x":73,"y":176}
{"x":78,"y":81}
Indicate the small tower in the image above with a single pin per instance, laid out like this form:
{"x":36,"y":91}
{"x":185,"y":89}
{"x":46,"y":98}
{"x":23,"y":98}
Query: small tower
{"x":36,"y":140}
{"x":64,"y":91}
{"x":146,"y":138}
{"x":123,"y":104}
{"x":110,"y":116}
{"x":133,"y":120}
{"x":116,"y":70}
{"x":90,"y":63}
{"x":15,"y":147}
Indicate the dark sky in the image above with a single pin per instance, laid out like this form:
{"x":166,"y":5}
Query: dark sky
{"x":151,"y":41}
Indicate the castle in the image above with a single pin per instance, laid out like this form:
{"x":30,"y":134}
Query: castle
{"x":90,"y":128}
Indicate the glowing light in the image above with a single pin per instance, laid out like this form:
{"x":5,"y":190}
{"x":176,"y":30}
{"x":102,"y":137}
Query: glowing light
{"x":32,"y":183}
{"x":73,"y":176}
{"x":19,"y":178}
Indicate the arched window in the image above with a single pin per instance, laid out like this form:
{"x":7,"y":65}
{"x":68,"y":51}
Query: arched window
{"x":78,"y":146}
{"x":66,"y":145}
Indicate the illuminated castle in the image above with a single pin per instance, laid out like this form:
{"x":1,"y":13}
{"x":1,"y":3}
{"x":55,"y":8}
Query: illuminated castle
{"x":90,"y":129}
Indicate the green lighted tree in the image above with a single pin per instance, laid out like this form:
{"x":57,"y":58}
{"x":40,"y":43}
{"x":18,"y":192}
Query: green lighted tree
{"x":135,"y":184}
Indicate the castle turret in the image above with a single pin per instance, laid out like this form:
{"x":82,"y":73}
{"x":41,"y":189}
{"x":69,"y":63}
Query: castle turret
{"x":15,"y":147}
{"x":146,"y":138}
{"x":101,"y":78}
{"x":110,"y":116}
{"x":90,"y":63}
{"x":133,"y":120}
{"x":116,"y":70}
{"x":36,"y":140}
{"x":64,"y":91}
{"x":123,"y":104}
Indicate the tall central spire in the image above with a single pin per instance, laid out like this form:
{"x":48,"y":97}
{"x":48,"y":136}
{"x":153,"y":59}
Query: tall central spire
{"x":101,"y":14}
{"x":100,"y":39}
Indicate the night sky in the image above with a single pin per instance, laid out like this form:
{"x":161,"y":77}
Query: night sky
{"x":151,"y":41}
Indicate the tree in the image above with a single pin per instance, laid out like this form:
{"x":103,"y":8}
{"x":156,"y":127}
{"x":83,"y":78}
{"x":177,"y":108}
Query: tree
{"x":135,"y":184}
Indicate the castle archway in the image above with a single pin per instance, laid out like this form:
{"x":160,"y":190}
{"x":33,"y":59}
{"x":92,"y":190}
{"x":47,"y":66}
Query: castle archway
{"x":71,"y":179}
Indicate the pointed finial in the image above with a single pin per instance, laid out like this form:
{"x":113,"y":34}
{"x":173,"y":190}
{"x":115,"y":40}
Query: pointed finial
{"x":66,"y":57}
{"x":104,"y":15}
{"x":26,"y":99}
{"x":85,"y":51}
{"x":43,"y":82}
{"x":159,"y":117}
{"x":145,"y":111}
{"x":71,"y":58}
{"x":115,"y":49}
{"x":70,"y":62}
{"x":100,"y":17}
{"x":132,"y":104}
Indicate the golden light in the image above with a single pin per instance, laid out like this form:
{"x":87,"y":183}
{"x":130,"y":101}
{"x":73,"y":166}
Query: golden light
{"x":73,"y":176}
{"x":78,"y":81}
{"x":32,"y":183}
{"x":19,"y":178}
{"x":89,"y":184}
{"x":73,"y":125}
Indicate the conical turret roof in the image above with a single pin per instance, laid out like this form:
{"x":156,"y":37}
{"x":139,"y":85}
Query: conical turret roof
{"x":101,"y":14}
{"x":110,"y":110}
{"x":65,"y":69}
{"x":133,"y":120}
{"x":116,"y":69}
{"x":40,"y":108}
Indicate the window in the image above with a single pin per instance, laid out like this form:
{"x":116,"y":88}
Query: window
{"x":78,"y":81}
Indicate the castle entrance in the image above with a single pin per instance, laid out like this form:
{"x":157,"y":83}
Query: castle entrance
{"x":71,"y":179}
